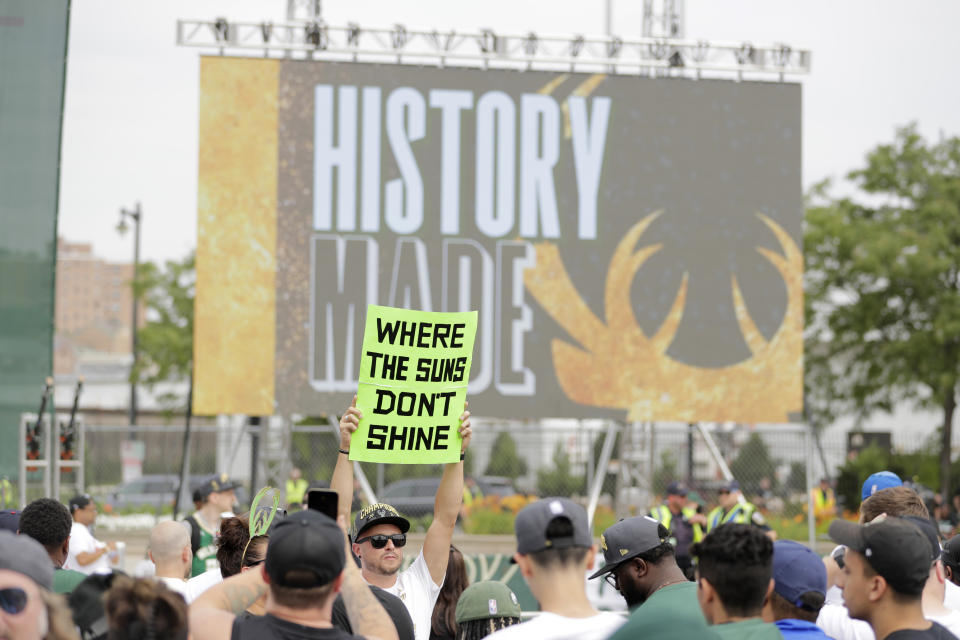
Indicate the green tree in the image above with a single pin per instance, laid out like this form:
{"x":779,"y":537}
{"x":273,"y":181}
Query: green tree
{"x":665,"y":473}
{"x":504,"y":459}
{"x":753,"y":463}
{"x":883,"y":286}
{"x":560,"y":480}
{"x":165,"y":342}
{"x":797,"y":480}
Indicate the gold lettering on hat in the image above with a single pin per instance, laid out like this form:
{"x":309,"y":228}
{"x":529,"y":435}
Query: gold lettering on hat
{"x":369,"y":509}
{"x":624,"y":552}
{"x":603,"y":542}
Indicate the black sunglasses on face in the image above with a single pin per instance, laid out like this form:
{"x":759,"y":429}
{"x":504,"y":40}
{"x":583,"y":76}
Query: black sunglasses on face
{"x":13,"y":600}
{"x":611,"y":579}
{"x":379,"y":541}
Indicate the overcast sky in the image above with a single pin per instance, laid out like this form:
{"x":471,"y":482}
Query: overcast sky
{"x":130,"y":121}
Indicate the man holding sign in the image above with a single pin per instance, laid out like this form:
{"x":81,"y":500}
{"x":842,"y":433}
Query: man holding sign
{"x":410,"y":409}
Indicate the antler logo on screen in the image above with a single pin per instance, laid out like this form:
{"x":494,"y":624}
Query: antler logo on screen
{"x":619,"y":366}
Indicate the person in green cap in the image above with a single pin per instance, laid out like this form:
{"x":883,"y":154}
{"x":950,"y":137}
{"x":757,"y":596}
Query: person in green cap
{"x":485,"y":607}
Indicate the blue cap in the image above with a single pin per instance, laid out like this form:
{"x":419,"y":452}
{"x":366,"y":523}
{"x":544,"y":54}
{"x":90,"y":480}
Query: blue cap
{"x":797,"y":570}
{"x":731,"y":486}
{"x":878,"y":482}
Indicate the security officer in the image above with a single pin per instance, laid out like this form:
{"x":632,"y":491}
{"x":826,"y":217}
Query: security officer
{"x":7,"y":498}
{"x":296,"y":488}
{"x":735,"y":508}
{"x":824,"y":501}
{"x":685,"y":524}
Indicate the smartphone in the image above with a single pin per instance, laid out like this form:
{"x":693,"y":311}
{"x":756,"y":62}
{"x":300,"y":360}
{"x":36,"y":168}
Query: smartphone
{"x":324,"y":501}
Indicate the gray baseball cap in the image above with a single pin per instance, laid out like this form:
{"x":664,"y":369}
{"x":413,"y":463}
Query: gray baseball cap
{"x":532,"y":521}
{"x":25,"y":555}
{"x":629,"y":538}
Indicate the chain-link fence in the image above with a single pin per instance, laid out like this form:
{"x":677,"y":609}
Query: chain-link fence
{"x":510,"y":462}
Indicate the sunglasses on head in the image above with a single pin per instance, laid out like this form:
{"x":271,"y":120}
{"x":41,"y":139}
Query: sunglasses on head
{"x":13,"y":600}
{"x":379,"y":541}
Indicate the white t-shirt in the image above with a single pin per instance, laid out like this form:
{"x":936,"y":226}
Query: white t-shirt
{"x":551,"y":626}
{"x":198,"y":584}
{"x":951,"y":621}
{"x":82,"y":541}
{"x":176,"y":584}
{"x":416,"y":588}
{"x":836,"y":622}
{"x":951,"y":597}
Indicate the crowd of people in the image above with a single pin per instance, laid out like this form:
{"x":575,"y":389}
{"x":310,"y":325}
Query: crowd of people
{"x":304,"y":574}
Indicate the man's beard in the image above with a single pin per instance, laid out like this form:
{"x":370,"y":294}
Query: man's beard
{"x":380,"y":569}
{"x":633,"y":596}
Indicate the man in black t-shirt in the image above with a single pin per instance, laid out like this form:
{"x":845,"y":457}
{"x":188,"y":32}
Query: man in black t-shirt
{"x":886,"y":565}
{"x":304,"y":570}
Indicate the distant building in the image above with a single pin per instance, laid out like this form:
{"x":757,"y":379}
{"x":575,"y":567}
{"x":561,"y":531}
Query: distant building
{"x":91,"y":293}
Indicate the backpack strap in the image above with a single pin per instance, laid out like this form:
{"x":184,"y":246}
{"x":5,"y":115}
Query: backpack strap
{"x":194,"y":533}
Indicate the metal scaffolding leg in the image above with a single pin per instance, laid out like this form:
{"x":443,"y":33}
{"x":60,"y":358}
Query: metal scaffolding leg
{"x":601,"y":472}
{"x":275,"y":453}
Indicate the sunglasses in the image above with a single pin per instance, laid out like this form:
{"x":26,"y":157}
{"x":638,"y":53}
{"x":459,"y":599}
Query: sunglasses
{"x":611,"y":579}
{"x":839,"y":556}
{"x":13,"y":600}
{"x":379,"y":541}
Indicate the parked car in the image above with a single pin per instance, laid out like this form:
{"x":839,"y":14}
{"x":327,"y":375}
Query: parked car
{"x":412,"y":497}
{"x":496,"y":486}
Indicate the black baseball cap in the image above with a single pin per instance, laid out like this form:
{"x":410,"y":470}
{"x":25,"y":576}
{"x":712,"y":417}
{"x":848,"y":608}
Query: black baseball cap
{"x":951,"y":552}
{"x":214,"y":484}
{"x":627,"y":539}
{"x":896,"y":549}
{"x":928,"y":529}
{"x":10,"y":520}
{"x":532,"y":522}
{"x":378,"y":513}
{"x":307,"y":542}
{"x":79,"y":502}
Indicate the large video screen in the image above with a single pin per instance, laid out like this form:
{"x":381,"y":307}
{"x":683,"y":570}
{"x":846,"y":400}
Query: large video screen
{"x":632,"y":245}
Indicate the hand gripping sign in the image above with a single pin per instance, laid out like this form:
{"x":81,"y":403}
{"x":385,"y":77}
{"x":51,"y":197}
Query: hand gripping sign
{"x":414,"y":370}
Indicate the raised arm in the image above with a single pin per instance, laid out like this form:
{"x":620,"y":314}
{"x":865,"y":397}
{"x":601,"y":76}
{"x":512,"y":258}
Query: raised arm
{"x":446,"y":506}
{"x":212,"y":614}
{"x":342,"y":480}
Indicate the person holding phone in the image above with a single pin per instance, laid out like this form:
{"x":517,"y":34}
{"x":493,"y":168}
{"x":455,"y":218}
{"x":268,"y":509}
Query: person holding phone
{"x":380,"y":531}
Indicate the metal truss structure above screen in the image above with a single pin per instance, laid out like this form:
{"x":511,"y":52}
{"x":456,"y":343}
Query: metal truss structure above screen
{"x":487,"y":49}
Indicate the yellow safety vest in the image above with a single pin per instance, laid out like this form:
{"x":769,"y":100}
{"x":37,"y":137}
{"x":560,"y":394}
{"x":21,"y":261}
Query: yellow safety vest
{"x":295,"y":491}
{"x":742,"y":513}
{"x":7,"y":499}
{"x":665,"y":516}
{"x":823,"y":500}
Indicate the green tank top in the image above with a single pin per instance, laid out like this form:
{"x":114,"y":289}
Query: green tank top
{"x":206,"y":556}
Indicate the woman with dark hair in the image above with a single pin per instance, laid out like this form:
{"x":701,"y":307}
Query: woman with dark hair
{"x":237,"y":552}
{"x":443,"y":625}
{"x":144,"y":608}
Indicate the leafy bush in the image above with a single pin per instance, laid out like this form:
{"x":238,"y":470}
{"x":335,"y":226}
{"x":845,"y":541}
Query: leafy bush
{"x":504,"y":459}
{"x":560,"y":480}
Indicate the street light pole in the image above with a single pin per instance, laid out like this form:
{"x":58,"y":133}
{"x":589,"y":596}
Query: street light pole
{"x":135,"y":215}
